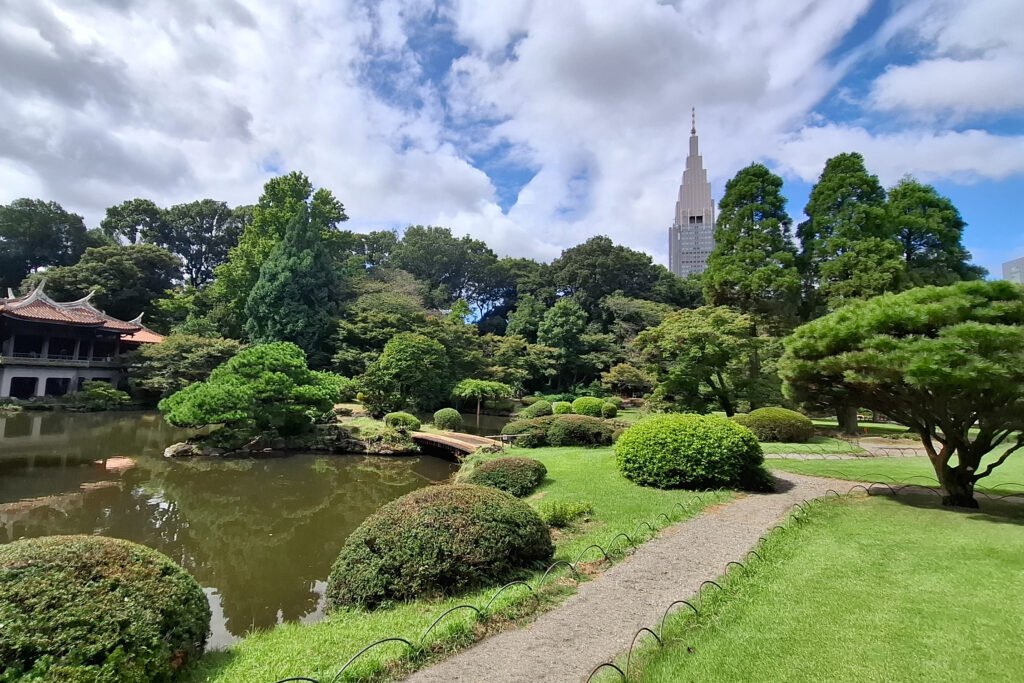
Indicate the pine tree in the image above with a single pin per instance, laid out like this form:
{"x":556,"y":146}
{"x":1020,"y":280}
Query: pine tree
{"x":753,"y":265}
{"x":297,"y":294}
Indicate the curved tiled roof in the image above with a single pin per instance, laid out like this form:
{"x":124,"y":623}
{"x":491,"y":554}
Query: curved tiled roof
{"x":36,"y":306}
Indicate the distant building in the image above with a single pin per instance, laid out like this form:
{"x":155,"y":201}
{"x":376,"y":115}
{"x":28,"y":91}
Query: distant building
{"x":49,"y":348}
{"x":692,"y":235}
{"x":1014,"y":271}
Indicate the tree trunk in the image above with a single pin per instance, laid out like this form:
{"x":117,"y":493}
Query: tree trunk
{"x":478,"y":402}
{"x":957,"y":487}
{"x":846,"y":416}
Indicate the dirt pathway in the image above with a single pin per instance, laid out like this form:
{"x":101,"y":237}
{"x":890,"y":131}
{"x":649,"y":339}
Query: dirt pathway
{"x":597,"y":623}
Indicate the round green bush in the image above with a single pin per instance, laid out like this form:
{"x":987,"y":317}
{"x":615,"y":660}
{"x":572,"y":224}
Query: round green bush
{"x":438,"y":540}
{"x":89,"y":608}
{"x":690,"y":451}
{"x":614,"y":400}
{"x":448,"y":418}
{"x":609,"y":410}
{"x":518,"y":476}
{"x":529,"y":400}
{"x":579,"y":430}
{"x":777,"y":424}
{"x":561,"y":408}
{"x":402,"y":420}
{"x":530,"y":433}
{"x":588,"y":405}
{"x":538,"y":409}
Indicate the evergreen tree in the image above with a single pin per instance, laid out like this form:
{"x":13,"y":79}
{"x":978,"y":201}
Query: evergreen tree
{"x":296,"y":296}
{"x":929,"y":230}
{"x":753,"y":265}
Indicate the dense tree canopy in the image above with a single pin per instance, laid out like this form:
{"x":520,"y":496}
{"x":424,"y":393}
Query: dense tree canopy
{"x":159,"y":370}
{"x":948,"y":362}
{"x":411,"y":372}
{"x":598,"y":267}
{"x":36,"y":234}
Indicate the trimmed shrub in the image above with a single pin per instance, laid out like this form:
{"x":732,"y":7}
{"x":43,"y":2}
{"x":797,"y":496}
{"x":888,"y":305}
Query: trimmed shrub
{"x":588,"y":405}
{"x":529,"y":400}
{"x":608,"y":410}
{"x":448,"y":418}
{"x":690,"y":451}
{"x":561,"y":408}
{"x":532,"y":433}
{"x":560,"y":397}
{"x":579,"y":430}
{"x":89,"y":608}
{"x":518,"y":476}
{"x":615,"y":401}
{"x":777,"y":424}
{"x":560,"y":514}
{"x":437,"y":540}
{"x":99,"y":395}
{"x":538,"y":409}
{"x":402,"y":420}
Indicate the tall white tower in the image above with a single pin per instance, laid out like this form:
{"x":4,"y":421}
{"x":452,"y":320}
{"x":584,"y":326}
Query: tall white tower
{"x":692,"y":235}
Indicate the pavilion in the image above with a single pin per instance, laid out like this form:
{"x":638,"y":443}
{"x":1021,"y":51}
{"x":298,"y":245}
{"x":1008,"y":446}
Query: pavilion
{"x":49,"y":348}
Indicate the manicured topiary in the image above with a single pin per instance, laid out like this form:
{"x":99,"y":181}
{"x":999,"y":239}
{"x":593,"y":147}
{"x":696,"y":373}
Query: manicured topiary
{"x":438,"y":540}
{"x":579,"y":430}
{"x":538,"y":409}
{"x":448,"y":418}
{"x":587,"y":405}
{"x":529,"y":433}
{"x":529,"y":400}
{"x":402,"y":420}
{"x":608,"y":410}
{"x":518,"y":476}
{"x":777,"y":424}
{"x":614,"y":400}
{"x":561,"y":408}
{"x":89,"y":608}
{"x":690,"y":451}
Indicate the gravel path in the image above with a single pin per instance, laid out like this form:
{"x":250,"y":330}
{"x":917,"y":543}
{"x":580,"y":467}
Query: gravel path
{"x":598,"y":622}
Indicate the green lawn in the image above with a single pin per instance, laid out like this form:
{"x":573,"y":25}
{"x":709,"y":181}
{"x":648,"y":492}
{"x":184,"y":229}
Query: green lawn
{"x":873,"y":589}
{"x":319,"y":650}
{"x":866,"y":428}
{"x":915,"y":470}
{"x":817,"y":444}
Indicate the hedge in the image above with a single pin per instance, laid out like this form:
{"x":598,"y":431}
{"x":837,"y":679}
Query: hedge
{"x":90,"y":608}
{"x":538,"y":409}
{"x":609,"y":410}
{"x":588,"y":405}
{"x":561,"y":430}
{"x":449,"y":419}
{"x":435,"y":541}
{"x":691,"y":451}
{"x":402,"y":420}
{"x":561,"y":408}
{"x":777,"y":424}
{"x":517,"y":476}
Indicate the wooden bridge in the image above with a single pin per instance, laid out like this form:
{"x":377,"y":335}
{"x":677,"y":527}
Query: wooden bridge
{"x":453,"y":443}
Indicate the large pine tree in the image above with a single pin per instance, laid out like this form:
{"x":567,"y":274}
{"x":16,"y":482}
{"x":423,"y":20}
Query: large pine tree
{"x":297,"y":294}
{"x":753,"y":265}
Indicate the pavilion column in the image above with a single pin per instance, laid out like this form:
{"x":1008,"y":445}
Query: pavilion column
{"x":46,"y":348}
{"x":78,"y":345}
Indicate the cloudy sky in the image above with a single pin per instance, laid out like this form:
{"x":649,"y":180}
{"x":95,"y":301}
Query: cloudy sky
{"x":531,"y":124}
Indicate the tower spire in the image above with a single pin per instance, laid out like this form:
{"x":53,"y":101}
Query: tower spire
{"x":693,"y":120}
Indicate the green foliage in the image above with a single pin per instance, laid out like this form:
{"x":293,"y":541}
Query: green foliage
{"x":627,"y":378}
{"x":265,"y":388}
{"x":36,"y":234}
{"x":948,"y":362}
{"x":295,"y":297}
{"x":200,"y":233}
{"x":342,"y":389}
{"x":516,"y":476}
{"x":598,"y":267}
{"x":578,"y":430}
{"x":690,"y":451}
{"x":133,"y":220}
{"x":411,"y":372}
{"x":625,"y":317}
{"x":537,"y":409}
{"x":159,"y":370}
{"x":97,"y":395}
{"x":561,"y":408}
{"x":531,"y":433}
{"x":526,"y":318}
{"x":777,"y":425}
{"x":529,"y":400}
{"x":437,"y":540}
{"x":614,"y":400}
{"x":753,"y":265}
{"x":88,"y":608}
{"x":588,"y":405}
{"x":561,"y":513}
{"x":402,"y":420}
{"x":480,"y":390}
{"x":449,"y":419}
{"x":609,"y":410}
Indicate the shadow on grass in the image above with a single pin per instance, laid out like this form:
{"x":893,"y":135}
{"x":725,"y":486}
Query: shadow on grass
{"x":995,"y":511}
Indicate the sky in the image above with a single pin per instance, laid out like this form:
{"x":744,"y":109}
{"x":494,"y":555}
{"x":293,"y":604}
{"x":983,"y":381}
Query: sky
{"x":533,"y":125}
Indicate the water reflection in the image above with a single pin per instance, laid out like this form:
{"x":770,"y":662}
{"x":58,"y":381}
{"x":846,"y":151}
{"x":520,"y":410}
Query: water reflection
{"x":260,"y":535}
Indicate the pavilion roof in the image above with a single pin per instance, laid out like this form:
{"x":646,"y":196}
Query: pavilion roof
{"x":36,"y":306}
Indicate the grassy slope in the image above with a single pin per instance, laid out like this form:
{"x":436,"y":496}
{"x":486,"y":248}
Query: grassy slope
{"x":319,"y":650}
{"x":903,"y":470}
{"x":866,"y":590}
{"x":817,"y":444}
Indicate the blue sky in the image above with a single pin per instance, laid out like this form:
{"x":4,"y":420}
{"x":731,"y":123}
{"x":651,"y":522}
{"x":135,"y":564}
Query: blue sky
{"x":533,"y":125}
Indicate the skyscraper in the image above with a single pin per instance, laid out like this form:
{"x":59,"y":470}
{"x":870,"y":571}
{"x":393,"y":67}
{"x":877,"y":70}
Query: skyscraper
{"x":1014,"y":271}
{"x":692,"y":235}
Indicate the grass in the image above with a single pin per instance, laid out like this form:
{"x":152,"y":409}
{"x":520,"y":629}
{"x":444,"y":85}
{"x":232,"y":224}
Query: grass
{"x":319,"y":650}
{"x":913,"y":470}
{"x":866,"y":428}
{"x":867,"y":589}
{"x":817,"y":444}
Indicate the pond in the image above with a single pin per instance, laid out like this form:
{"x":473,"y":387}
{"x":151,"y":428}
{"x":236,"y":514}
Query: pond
{"x":259,"y":535}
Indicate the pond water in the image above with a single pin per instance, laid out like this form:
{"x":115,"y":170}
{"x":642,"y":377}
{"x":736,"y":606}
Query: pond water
{"x":259,"y":535}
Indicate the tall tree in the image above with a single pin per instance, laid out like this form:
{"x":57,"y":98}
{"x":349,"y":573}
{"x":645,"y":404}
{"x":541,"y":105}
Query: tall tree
{"x":36,"y":234}
{"x":411,"y":372}
{"x":753,"y":265}
{"x":480,"y":390}
{"x":929,"y":230}
{"x":526,"y":318}
{"x":132,"y":220}
{"x":562,"y":328}
{"x":296,"y":296}
{"x":127,"y":279}
{"x":847,"y":250}
{"x":200,"y":233}
{"x":598,"y":267}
